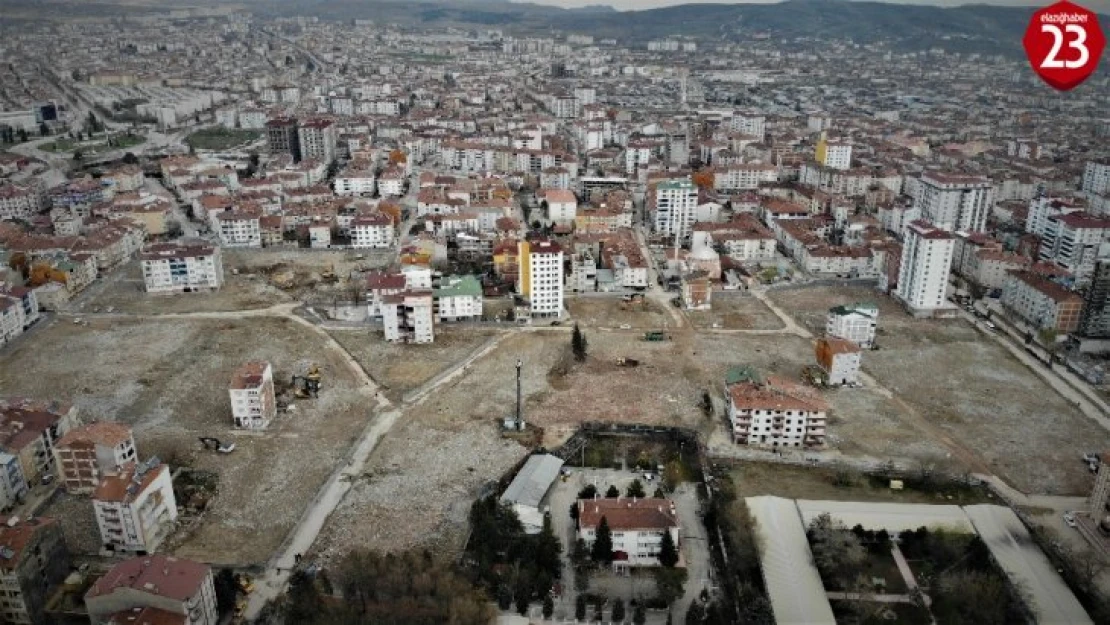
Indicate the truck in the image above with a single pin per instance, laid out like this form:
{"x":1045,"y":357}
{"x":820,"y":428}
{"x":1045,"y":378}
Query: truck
{"x":656,"y":335}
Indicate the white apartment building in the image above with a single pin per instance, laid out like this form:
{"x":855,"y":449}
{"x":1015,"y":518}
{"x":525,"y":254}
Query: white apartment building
{"x":1044,"y":207}
{"x":17,"y":202}
{"x":1096,"y":177}
{"x":744,"y":176}
{"x":135,"y":509}
{"x":834,"y":154}
{"x":11,"y":320}
{"x":1041,"y":303}
{"x":636,"y":527}
{"x":317,"y":140}
{"x":676,"y":205}
{"x":637,"y":153}
{"x":540,"y":278}
{"x":239,"y":228}
{"x":355,"y":182}
{"x":926,"y":260}
{"x":154,"y":589}
{"x":372,"y":231}
{"x":458,"y":297}
{"x":177,"y":268}
{"x":88,"y":452}
{"x":562,"y":206}
{"x":749,"y":124}
{"x":251,"y":391}
{"x":407,"y":317}
{"x":392,"y":183}
{"x":839,"y":359}
{"x":954,"y":202}
{"x":1072,"y":241}
{"x":854,"y":322}
{"x":773,"y":412}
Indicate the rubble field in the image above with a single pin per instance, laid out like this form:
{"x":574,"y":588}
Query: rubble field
{"x":125,"y":293}
{"x":964,"y":382}
{"x":400,"y":368}
{"x":611,"y":312}
{"x":168,"y":380}
{"x":735,"y":310}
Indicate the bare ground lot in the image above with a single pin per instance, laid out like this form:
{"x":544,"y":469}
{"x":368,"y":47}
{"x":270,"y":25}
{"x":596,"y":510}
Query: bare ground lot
{"x":735,"y":310}
{"x":968,"y":385}
{"x":612,"y":312}
{"x":240,"y":292}
{"x":168,"y":380}
{"x":402,"y":368}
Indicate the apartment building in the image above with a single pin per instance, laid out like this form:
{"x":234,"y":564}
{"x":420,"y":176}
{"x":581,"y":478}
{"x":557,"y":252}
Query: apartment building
{"x":136,"y":509}
{"x":17,"y":202}
{"x":954,"y":202}
{"x":676,"y":204}
{"x":25,"y":299}
{"x":540,"y":277}
{"x":1041,"y":303}
{"x":317,"y":139}
{"x":89,"y":452}
{"x":30,"y":429}
{"x":240,"y":227}
{"x":378,"y":285}
{"x":407,"y":316}
{"x":355,"y":182}
{"x":1096,"y":177}
{"x":561,"y":205}
{"x":636,"y":527}
{"x":772,"y":411}
{"x":1072,"y":241}
{"x":372,"y":231}
{"x":854,"y":322}
{"x":839,"y":359}
{"x":923,"y":273}
{"x":746,"y":176}
{"x":253,"y":405}
{"x":155,"y":589}
{"x":834,"y":154}
{"x":181,"y":268}
{"x":33,"y":560}
{"x":457,"y":298}
{"x":1095,"y":322}
{"x":282,"y":137}
{"x":11,"y":320}
{"x":748,"y":123}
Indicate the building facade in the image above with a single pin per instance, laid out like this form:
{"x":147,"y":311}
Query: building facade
{"x":636,"y":527}
{"x":33,"y":559}
{"x":540,"y":279}
{"x":676,"y":205}
{"x":1041,"y":303}
{"x":954,"y":202}
{"x":923,"y":274}
{"x":173,"y":586}
{"x":89,"y":452}
{"x":253,"y":404}
{"x":407,"y":317}
{"x":136,"y":509}
{"x":773,"y":411}
{"x":854,"y":322}
{"x":175,"y":268}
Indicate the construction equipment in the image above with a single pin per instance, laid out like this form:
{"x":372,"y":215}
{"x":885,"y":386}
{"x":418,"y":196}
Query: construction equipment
{"x":627,"y":362}
{"x":656,"y":335}
{"x":306,"y":379}
{"x":214,"y":444}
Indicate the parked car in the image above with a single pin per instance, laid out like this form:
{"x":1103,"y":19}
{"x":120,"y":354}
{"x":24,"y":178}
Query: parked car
{"x":1069,"y":519}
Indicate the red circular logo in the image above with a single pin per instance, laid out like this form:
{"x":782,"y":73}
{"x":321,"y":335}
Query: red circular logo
{"x":1064,"y":43}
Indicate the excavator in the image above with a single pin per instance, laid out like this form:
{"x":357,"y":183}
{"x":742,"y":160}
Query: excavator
{"x":306,"y":380}
{"x":214,"y":444}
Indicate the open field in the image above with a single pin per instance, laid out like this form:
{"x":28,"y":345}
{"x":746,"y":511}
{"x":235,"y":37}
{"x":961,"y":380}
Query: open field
{"x":962,"y":381}
{"x":612,"y":312}
{"x":221,"y":138}
{"x":795,"y":482}
{"x":168,"y":380}
{"x":93,"y":146}
{"x":240,"y":292}
{"x":401,"y":368}
{"x":735,"y":310}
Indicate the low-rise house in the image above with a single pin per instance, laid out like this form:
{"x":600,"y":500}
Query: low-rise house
{"x":29,"y":430}
{"x":772,"y":411}
{"x":636,"y":527}
{"x":181,"y":268}
{"x":33,"y":559}
{"x":854,"y":322}
{"x":839,"y":359}
{"x":136,"y":509}
{"x":89,"y":452}
{"x":529,"y":487}
{"x":253,"y":404}
{"x":174,"y":591}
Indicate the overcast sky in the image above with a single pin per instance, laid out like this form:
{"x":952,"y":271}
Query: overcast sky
{"x":1101,"y":6}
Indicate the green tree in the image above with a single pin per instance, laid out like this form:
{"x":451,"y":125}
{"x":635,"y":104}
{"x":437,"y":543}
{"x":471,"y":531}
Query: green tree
{"x":44,"y":130}
{"x":669,"y":584}
{"x":548,"y":606}
{"x":635,"y":489}
{"x":612,"y":493}
{"x":578,"y":344}
{"x":546,"y":551}
{"x":639,"y":614}
{"x":580,"y":607}
{"x":695,"y":614}
{"x":227,"y":589}
{"x":618,"y":610}
{"x":603,"y":543}
{"x":668,"y":553}
{"x":589,"y":492}
{"x":130,"y":159}
{"x":78,"y":156}
{"x":659,"y":494}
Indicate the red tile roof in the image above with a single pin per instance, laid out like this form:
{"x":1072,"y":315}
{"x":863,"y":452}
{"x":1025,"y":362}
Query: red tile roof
{"x":156,"y":574}
{"x":623,"y":514}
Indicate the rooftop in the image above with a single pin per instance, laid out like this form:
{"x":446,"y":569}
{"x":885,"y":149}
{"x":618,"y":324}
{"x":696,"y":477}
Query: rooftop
{"x":160,"y":575}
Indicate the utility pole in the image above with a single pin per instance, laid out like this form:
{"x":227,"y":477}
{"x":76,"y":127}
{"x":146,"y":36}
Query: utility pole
{"x":519,"y":421}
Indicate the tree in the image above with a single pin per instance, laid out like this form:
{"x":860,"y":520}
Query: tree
{"x":635,"y":489}
{"x":603,"y":543}
{"x":523,"y":597}
{"x":548,"y":606}
{"x":835,"y":549}
{"x":227,"y":589}
{"x":397,"y":157}
{"x":970,"y":597}
{"x":639,"y":614}
{"x":695,"y":614}
{"x":130,"y":159}
{"x":22,"y":135}
{"x":78,"y":156}
{"x":618,"y":610}
{"x":612,"y":493}
{"x":659,"y":494}
{"x":668,"y":553}
{"x":578,"y":344}
{"x":598,"y":615}
{"x":669,"y":584}
{"x":704,"y":178}
{"x":44,"y":130}
{"x":580,"y":608}
{"x":589,"y":492}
